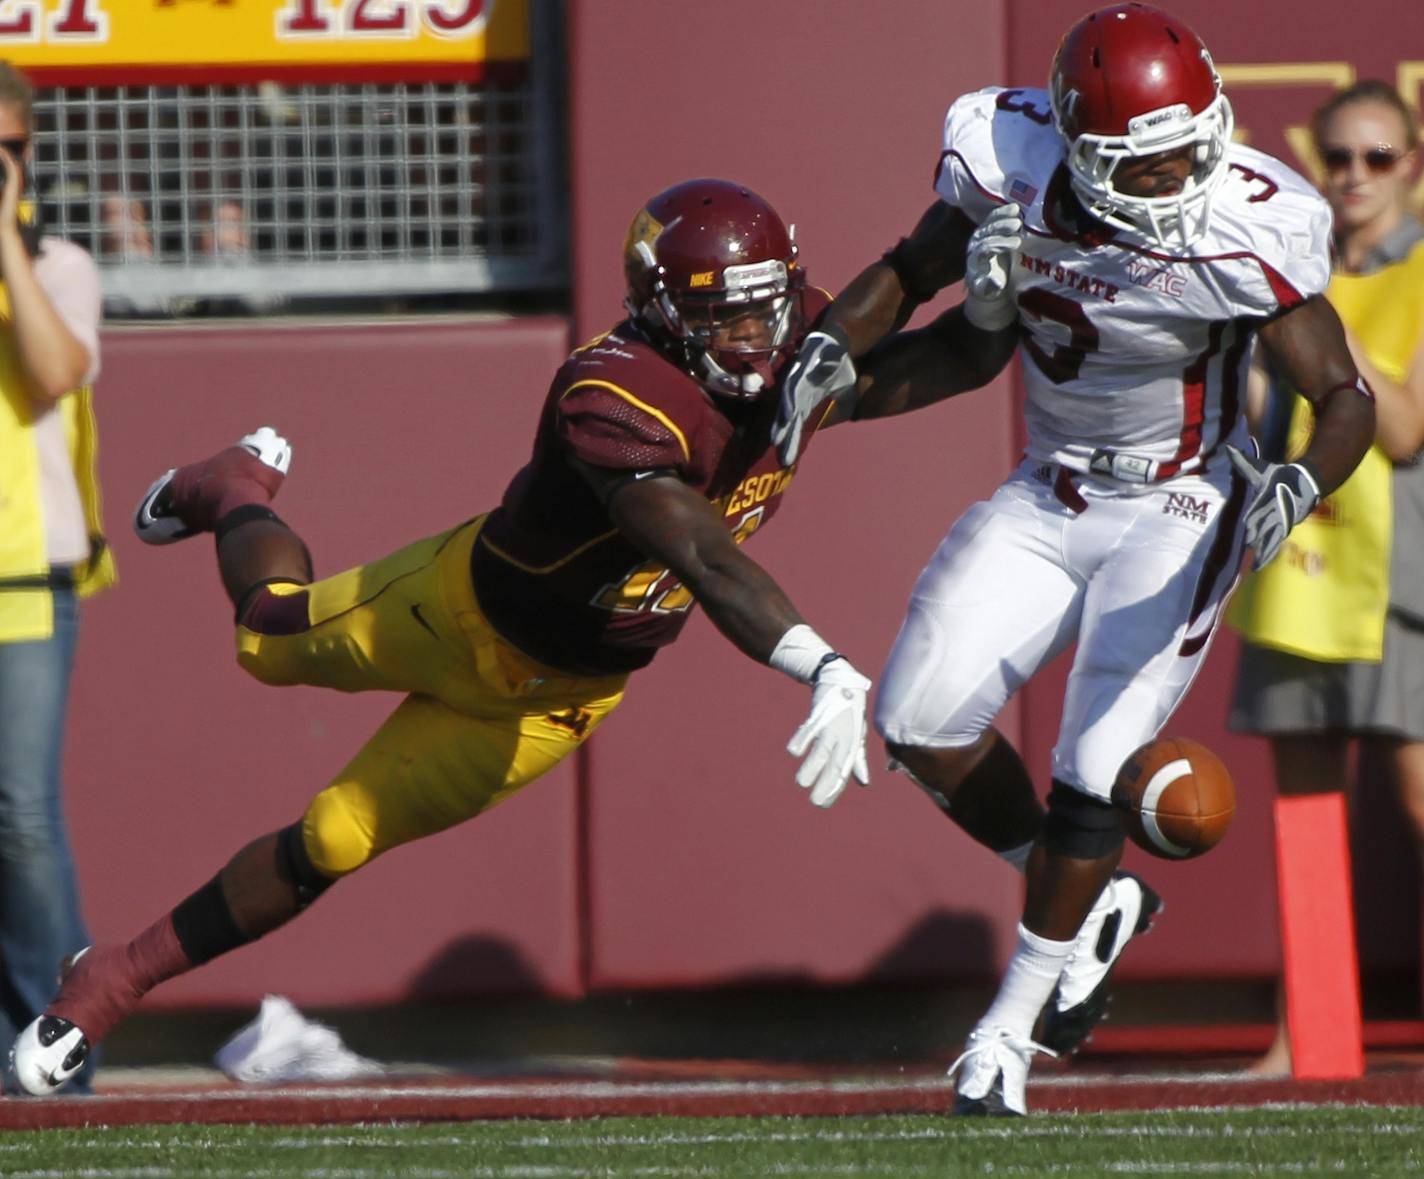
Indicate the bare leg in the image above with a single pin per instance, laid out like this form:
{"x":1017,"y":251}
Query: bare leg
{"x":258,"y":551}
{"x":1407,"y":758}
{"x":1063,"y":889}
{"x":1277,"y":1060}
{"x":258,"y":894}
{"x":992,"y":798}
{"x":1408,"y":761}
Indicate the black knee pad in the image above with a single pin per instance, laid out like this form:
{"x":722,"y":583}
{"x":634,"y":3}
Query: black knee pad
{"x":296,"y":868}
{"x":1081,"y":826}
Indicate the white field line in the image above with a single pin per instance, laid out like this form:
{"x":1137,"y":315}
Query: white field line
{"x":557,"y":1090}
{"x":1129,"y":1167}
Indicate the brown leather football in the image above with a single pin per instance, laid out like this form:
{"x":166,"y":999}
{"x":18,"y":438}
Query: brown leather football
{"x":1178,"y":795}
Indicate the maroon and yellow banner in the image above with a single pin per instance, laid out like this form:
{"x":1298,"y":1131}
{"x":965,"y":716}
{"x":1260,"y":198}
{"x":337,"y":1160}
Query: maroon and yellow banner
{"x":72,"y":41}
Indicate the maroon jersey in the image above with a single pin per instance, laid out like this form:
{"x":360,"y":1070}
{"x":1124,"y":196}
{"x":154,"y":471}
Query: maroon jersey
{"x":551,"y":572}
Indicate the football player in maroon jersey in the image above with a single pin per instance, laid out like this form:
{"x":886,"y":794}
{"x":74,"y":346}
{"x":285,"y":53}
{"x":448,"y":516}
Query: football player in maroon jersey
{"x":1142,"y":253}
{"x":514,"y":633}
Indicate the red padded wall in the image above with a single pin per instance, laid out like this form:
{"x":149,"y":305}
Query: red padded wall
{"x":176,"y":758}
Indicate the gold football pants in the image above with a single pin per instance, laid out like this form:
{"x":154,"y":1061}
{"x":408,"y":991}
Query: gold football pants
{"x":479,"y":721}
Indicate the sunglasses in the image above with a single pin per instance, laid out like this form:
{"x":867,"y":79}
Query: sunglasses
{"x":1378,"y":160}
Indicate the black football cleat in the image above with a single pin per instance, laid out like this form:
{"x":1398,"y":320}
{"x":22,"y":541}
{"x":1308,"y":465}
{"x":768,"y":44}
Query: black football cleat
{"x":1081,"y":999}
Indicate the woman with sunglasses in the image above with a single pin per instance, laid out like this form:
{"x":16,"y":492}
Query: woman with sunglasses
{"x":1333,"y":658}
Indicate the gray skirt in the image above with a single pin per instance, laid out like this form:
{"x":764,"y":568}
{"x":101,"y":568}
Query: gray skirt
{"x":1280,"y":693}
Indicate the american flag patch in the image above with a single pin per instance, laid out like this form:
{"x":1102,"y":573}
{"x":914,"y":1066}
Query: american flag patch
{"x":1022,"y":191}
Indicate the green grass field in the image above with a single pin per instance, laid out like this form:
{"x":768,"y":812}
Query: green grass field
{"x":1358,"y":1140}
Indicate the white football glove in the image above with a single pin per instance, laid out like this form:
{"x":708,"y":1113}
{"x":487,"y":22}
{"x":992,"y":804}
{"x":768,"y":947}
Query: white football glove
{"x":832,"y":738}
{"x":989,"y":303}
{"x":822,"y":369}
{"x":1282,"y":495}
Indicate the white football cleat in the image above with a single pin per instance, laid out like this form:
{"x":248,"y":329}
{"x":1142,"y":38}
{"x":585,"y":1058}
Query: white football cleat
{"x":993,"y":1073}
{"x":268,"y":446}
{"x":47,"y":1054}
{"x":1081,"y":1000}
{"x":153,"y":527}
{"x":154,"y":520}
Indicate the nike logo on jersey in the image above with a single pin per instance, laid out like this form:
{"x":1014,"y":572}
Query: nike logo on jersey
{"x":420,"y":618}
{"x":573,"y":720}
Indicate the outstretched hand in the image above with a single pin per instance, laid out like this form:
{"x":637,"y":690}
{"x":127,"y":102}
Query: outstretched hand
{"x":832,"y":738}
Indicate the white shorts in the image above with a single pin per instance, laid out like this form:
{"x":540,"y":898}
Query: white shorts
{"x":1137,"y":576}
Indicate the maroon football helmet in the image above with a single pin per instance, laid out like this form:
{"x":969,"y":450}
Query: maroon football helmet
{"x":713,"y":276}
{"x":1131,"y":81}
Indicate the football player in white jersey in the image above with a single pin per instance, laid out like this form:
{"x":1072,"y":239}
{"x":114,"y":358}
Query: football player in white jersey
{"x":1142,"y":253}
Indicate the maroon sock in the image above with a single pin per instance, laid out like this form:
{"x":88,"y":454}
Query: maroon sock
{"x":238,"y":492}
{"x":108,"y":981}
{"x":203,"y":493}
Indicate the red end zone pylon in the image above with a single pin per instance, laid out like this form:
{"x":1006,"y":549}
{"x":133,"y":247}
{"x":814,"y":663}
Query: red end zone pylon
{"x":1322,"y":977}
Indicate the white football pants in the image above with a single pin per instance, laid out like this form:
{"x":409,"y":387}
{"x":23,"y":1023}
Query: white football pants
{"x":1137,"y":576}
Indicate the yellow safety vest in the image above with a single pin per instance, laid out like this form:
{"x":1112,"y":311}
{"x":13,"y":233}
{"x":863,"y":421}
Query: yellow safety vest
{"x":26,"y":602}
{"x":1326,"y":596}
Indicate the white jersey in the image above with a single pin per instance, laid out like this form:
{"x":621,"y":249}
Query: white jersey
{"x":1130,"y":350}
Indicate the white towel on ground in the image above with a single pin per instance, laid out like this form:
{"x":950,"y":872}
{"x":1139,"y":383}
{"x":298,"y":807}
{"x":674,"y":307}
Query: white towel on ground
{"x":281,"y":1044}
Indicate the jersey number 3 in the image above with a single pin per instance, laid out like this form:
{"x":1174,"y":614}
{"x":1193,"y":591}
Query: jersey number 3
{"x":1065,"y":361}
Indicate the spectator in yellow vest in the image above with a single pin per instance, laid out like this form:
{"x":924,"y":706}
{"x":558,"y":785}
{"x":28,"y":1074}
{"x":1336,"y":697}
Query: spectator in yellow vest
{"x":1334,"y":651}
{"x":52,"y":552}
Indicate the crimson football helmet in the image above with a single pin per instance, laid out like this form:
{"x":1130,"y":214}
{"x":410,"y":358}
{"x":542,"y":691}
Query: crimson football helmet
{"x":713,"y":277}
{"x":1130,"y":81}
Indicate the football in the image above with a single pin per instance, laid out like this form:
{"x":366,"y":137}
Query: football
{"x":1178,"y":796}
